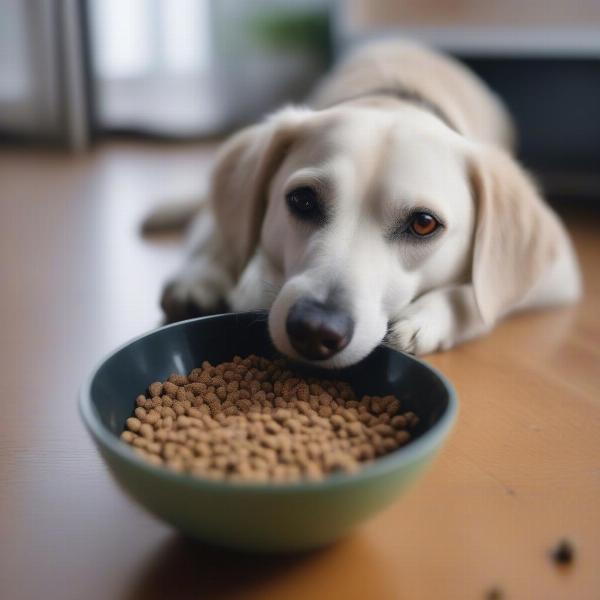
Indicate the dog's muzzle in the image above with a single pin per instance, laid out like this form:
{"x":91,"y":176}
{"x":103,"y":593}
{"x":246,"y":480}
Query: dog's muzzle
{"x":318,"y":330}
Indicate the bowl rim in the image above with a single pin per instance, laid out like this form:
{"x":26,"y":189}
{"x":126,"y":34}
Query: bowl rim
{"x":412,"y":452}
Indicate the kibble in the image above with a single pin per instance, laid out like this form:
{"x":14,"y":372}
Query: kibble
{"x":252,"y":419}
{"x":563,"y":553}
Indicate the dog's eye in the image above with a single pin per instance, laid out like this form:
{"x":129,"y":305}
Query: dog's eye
{"x":304,"y":203}
{"x":423,"y":224}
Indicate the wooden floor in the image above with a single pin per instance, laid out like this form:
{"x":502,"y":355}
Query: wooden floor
{"x":521,"y":471}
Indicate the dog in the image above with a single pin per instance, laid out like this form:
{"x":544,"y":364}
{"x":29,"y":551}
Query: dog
{"x":388,"y":209}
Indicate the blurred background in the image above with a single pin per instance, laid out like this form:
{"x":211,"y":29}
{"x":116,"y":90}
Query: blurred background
{"x":109,"y":108}
{"x":76,"y":72}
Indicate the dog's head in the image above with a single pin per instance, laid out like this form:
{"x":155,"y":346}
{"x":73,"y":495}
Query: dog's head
{"x":359,"y":210}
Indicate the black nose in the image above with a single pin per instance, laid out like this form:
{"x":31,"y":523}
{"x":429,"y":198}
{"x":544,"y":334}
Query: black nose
{"x":318,"y":331}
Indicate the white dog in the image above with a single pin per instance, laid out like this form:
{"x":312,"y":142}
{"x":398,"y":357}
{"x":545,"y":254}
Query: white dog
{"x":389,"y":210}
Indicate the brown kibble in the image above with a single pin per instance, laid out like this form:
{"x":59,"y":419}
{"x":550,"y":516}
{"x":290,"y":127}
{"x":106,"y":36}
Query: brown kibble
{"x":383,"y":429}
{"x":325,"y":399}
{"x":218,"y":382}
{"x":314,"y":450}
{"x":272,"y":427}
{"x":304,"y":407}
{"x":313,"y":471}
{"x":161,"y":435}
{"x":337,"y":461}
{"x":155,"y":389}
{"x":279,"y":402}
{"x":412,"y":419}
{"x":389,"y":444}
{"x":153,"y":447}
{"x":253,"y":419}
{"x":325,"y":411}
{"x":233,"y":386}
{"x":281,"y":414}
{"x":127,"y":436}
{"x":294,"y":425}
{"x":167,"y":411}
{"x":154,"y":459}
{"x":564,"y":553}
{"x":178,"y":380}
{"x":354,"y":428}
{"x":152,"y":417}
{"x":146,"y":431}
{"x":494,"y":593}
{"x":194,"y":376}
{"x":196,"y":388}
{"x":202,"y":449}
{"x":337,"y":421}
{"x":376,"y":406}
{"x":392,"y":407}
{"x":133,"y":424}
{"x":170,"y":389}
{"x":366,"y":452}
{"x":193,"y":412}
{"x":347,"y":414}
{"x":399,"y":422}
{"x":139,"y":442}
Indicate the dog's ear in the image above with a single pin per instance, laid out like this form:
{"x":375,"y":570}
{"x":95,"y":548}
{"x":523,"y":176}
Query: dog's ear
{"x":240,"y":181}
{"x":516,"y":234}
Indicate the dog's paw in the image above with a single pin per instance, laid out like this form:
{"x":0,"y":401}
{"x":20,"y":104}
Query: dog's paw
{"x":403,"y":335}
{"x":417,"y":331}
{"x":186,"y":297}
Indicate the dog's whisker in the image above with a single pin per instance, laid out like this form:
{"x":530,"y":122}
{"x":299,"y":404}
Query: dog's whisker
{"x":270,"y":290}
{"x":270,"y":286}
{"x":261,"y":317}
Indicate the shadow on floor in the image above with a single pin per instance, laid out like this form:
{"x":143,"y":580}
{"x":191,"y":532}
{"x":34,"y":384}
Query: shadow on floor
{"x":184,"y":568}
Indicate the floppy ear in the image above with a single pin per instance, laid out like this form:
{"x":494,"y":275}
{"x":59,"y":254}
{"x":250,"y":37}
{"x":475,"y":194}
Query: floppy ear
{"x":240,"y":181}
{"x":517,"y":235}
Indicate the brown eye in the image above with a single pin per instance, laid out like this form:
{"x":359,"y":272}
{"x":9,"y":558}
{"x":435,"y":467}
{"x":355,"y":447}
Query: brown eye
{"x":423,"y":224}
{"x":304,"y":204}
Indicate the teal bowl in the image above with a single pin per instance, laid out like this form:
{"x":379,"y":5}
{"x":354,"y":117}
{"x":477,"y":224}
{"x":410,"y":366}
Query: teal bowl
{"x":259,"y":517}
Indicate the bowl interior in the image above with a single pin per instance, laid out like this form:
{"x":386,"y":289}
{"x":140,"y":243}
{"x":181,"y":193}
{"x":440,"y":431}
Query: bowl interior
{"x":183,"y":346}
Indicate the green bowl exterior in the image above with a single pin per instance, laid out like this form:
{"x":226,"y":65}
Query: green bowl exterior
{"x":257,"y":517}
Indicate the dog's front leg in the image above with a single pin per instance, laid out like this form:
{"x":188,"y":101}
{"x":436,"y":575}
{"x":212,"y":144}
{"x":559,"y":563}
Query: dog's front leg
{"x":257,"y":286}
{"x":201,"y":286}
{"x":437,"y":320}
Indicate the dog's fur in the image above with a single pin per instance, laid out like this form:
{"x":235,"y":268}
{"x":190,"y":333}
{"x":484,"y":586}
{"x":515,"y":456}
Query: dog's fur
{"x":396,"y":127}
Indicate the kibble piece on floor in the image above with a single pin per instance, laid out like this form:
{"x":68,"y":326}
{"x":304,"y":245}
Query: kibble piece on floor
{"x":253,"y":420}
{"x":563,"y":553}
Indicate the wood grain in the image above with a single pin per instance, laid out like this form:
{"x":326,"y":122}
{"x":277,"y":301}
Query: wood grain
{"x":522,"y":469}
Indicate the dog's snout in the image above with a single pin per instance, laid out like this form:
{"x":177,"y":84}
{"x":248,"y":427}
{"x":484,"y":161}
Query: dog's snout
{"x":318,"y":331}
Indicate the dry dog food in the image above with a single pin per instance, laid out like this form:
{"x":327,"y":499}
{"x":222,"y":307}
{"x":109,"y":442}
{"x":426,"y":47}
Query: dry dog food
{"x":564,"y":553}
{"x":252,"y":419}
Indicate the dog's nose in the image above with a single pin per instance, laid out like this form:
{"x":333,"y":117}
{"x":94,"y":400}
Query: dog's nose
{"x":318,"y":331}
